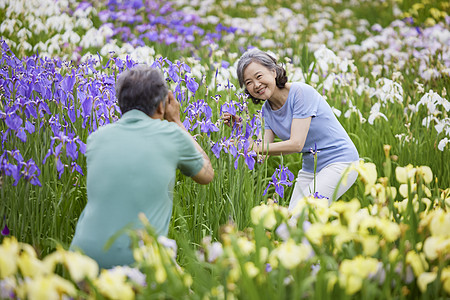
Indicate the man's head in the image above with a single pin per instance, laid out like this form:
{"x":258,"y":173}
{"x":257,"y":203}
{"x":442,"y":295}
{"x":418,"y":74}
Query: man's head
{"x":143,"y":88}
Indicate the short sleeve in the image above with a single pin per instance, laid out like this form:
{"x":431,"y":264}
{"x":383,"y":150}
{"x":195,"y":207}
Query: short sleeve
{"x":190,"y":160}
{"x":306,"y":102}
{"x":266,"y":120}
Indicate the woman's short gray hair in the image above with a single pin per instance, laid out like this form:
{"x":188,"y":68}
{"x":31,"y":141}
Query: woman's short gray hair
{"x":264,"y":59}
{"x":141,"y":87}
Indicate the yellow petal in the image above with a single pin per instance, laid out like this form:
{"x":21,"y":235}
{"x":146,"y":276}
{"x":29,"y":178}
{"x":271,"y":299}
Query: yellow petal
{"x":30,"y":265}
{"x":424,"y":279}
{"x":393,"y":255}
{"x":417,"y":262}
{"x":354,"y":284}
{"x":291,"y":255}
{"x":403,"y":190}
{"x":9,"y":251}
{"x":80,"y":266}
{"x":251,"y":270}
{"x":112,"y":284}
{"x":49,"y":287}
{"x":430,"y":247}
{"x":370,"y":245}
{"x":446,"y":285}
{"x":426,"y":173}
{"x":391,"y":192}
{"x":440,"y":223}
{"x":403,"y":174}
{"x":445,"y":278}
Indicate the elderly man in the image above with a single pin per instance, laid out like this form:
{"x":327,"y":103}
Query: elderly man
{"x":131,"y":167}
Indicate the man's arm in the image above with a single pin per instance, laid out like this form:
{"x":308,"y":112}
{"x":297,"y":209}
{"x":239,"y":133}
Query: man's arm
{"x":172,"y":114}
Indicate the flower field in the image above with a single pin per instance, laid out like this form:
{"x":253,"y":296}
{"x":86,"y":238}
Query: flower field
{"x":384,"y":68}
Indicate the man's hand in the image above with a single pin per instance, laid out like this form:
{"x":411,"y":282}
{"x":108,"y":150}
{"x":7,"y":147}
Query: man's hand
{"x":172,"y":112}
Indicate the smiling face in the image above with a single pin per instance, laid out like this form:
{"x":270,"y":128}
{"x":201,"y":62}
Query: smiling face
{"x":259,"y":81}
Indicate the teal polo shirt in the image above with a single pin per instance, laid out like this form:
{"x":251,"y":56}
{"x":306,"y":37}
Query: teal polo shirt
{"x":131,"y":168}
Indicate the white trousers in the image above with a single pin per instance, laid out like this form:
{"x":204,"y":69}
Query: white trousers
{"x":327,"y":181}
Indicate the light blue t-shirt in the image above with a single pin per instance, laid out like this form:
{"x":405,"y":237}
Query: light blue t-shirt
{"x":325,"y":130}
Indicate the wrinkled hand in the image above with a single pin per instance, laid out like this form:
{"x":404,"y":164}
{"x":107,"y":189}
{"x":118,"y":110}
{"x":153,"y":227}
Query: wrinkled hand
{"x":230,"y":120}
{"x":172,"y":112}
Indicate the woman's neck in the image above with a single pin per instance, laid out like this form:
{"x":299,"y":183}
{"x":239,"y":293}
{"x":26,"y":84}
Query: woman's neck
{"x":279,"y":97}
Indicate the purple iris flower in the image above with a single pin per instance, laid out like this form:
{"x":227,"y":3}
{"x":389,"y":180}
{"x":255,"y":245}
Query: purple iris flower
{"x":318,"y":196}
{"x":68,"y":83}
{"x":20,"y":133}
{"x":82,"y":146}
{"x":191,"y":84}
{"x":186,"y":68}
{"x":72,"y":113}
{"x":216,"y":148}
{"x":5,"y":47}
{"x":280,"y":178}
{"x":14,"y":169}
{"x":31,"y":172}
{"x":173,"y":73}
{"x":232,"y":150}
{"x":71,"y":149}
{"x":187,"y":124}
{"x":409,"y":20}
{"x":5,"y":230}
{"x":314,"y":151}
{"x":75,"y":167}
{"x":59,"y":167}
{"x":29,"y":127}
{"x":12,"y":120}
{"x":86,"y":104}
{"x":250,"y":159}
{"x":229,"y":107}
{"x":207,"y":126}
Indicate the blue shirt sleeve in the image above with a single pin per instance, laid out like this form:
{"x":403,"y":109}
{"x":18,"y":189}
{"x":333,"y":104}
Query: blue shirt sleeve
{"x":305,"y":102}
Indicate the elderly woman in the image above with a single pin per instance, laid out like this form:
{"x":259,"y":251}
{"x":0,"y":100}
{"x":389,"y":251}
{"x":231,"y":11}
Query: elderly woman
{"x":303,"y":120}
{"x":131,"y":167}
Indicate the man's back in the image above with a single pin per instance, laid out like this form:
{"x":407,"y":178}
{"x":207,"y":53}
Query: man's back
{"x":131,"y":169}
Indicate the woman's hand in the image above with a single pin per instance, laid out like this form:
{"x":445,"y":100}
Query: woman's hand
{"x":230,"y":120}
{"x":172,"y":111}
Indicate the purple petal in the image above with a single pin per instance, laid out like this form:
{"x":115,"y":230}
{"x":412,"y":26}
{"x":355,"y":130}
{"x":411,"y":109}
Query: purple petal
{"x":265,"y":191}
{"x":279,"y":189}
{"x":250,"y":162}
{"x":21,"y":134}
{"x":29,"y":127}
{"x":13,"y":121}
{"x":216,"y":149}
{"x":5,"y":230}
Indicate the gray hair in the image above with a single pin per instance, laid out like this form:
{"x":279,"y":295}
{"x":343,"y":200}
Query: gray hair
{"x":264,"y":59}
{"x":141,"y":87}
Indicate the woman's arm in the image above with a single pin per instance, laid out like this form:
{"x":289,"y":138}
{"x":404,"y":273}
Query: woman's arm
{"x":299,"y":131}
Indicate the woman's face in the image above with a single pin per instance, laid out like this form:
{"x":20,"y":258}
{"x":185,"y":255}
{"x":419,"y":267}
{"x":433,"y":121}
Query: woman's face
{"x":259,"y":81}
